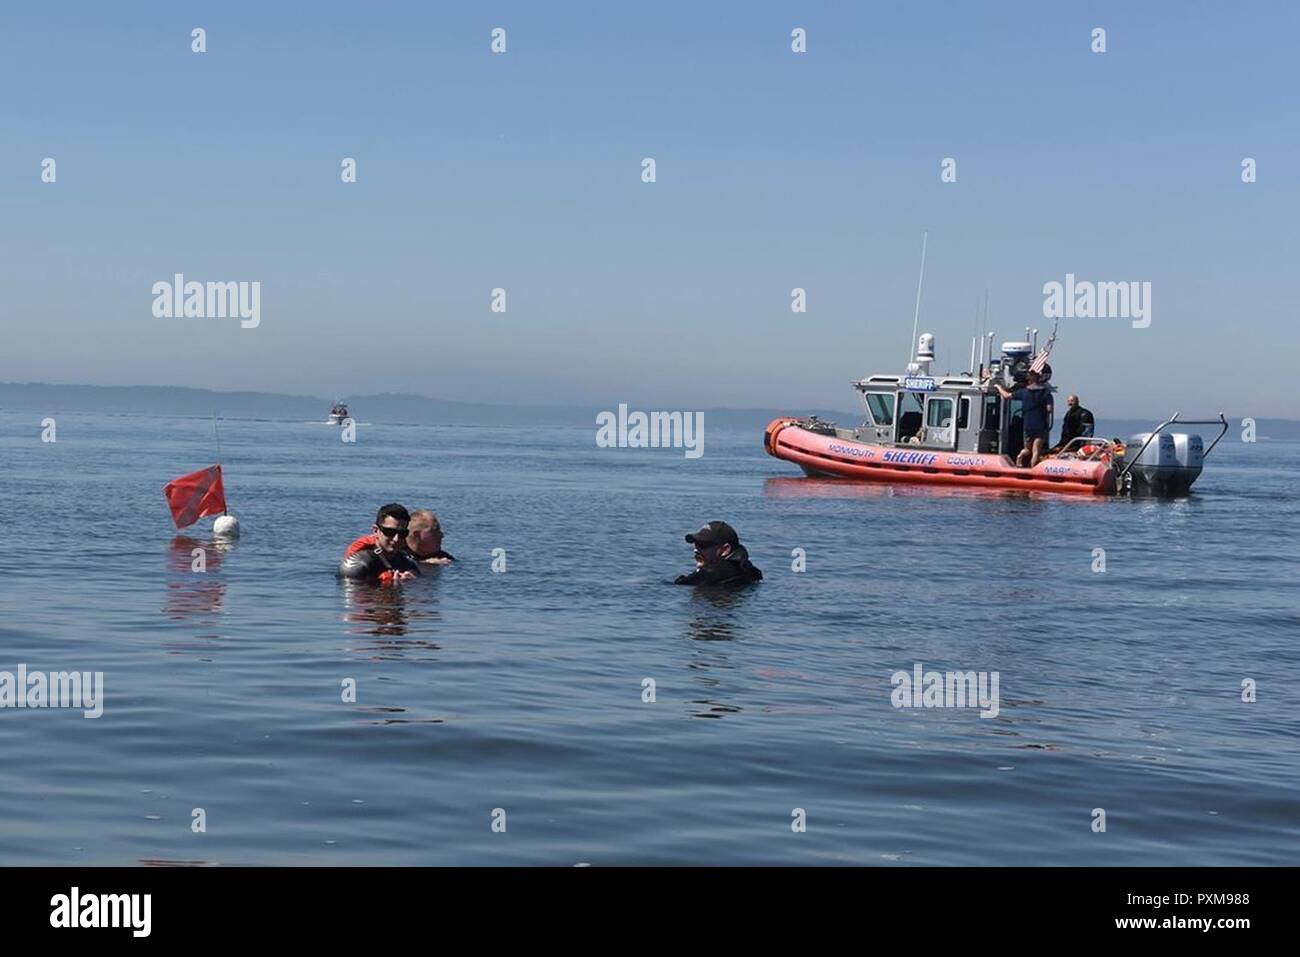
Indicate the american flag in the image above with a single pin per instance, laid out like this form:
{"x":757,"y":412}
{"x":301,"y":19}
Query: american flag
{"x":1040,"y":360}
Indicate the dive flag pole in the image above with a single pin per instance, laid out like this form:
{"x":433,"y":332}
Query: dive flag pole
{"x":217,"y":435}
{"x":226,"y":525}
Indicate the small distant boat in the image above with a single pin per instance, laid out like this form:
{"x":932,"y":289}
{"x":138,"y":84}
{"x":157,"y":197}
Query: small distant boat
{"x":338,"y":414}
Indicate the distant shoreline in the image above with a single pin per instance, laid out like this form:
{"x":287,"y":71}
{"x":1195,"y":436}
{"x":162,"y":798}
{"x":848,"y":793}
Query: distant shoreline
{"x":407,"y":409}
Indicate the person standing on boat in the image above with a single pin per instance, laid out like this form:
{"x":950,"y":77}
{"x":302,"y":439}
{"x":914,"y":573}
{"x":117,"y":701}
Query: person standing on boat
{"x":720,"y":559}
{"x":1078,"y":422}
{"x":381,"y":556}
{"x":425,"y":539}
{"x":1036,"y":408}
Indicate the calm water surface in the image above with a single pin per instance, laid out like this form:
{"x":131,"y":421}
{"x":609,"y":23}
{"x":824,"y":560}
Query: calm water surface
{"x":523,"y":690}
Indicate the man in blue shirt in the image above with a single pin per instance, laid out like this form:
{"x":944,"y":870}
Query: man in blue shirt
{"x":1036,"y":407}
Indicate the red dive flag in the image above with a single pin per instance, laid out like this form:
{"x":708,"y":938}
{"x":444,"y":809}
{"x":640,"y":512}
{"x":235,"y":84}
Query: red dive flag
{"x":194,"y":496}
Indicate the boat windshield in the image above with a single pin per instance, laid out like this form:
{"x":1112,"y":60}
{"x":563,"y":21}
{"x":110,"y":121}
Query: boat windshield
{"x":881,"y":407}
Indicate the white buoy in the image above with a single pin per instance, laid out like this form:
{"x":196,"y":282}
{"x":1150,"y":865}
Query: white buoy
{"x":226,"y":526}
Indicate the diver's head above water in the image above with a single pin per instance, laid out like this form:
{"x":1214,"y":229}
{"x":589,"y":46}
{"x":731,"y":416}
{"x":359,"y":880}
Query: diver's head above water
{"x":392,"y":525}
{"x":425,"y":538}
{"x":720,"y":559}
{"x":713,"y":542}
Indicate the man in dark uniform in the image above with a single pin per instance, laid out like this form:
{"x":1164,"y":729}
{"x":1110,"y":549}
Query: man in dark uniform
{"x":1078,"y":422}
{"x":720,"y":559}
{"x":381,"y":556}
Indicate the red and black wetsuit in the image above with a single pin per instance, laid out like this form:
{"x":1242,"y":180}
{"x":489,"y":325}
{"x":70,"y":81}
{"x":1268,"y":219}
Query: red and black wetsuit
{"x":363,"y":560}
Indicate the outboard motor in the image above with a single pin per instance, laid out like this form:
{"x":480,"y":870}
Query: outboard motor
{"x":1189,"y":450}
{"x":1168,"y":465}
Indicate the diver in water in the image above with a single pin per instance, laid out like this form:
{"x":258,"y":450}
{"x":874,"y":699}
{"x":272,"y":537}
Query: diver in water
{"x":425,"y":539}
{"x":720,"y":559}
{"x":381,"y":556}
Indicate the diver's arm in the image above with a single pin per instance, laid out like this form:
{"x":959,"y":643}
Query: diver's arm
{"x":360,"y":565}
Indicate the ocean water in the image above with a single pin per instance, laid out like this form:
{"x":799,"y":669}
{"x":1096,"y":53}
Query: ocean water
{"x":517,"y":696}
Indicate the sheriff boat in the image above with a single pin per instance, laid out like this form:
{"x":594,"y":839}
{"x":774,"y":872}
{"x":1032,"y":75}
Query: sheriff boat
{"x":956,"y":430}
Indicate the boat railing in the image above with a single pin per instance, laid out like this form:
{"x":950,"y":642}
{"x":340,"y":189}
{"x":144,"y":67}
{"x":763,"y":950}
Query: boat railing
{"x":1103,"y":446}
{"x":1221,"y":420}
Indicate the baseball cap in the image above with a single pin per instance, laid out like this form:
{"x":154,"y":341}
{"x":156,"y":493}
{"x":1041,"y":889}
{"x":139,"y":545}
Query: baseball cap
{"x":714,"y":533}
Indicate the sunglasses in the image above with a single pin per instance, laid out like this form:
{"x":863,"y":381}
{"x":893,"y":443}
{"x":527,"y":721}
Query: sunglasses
{"x":390,"y":532}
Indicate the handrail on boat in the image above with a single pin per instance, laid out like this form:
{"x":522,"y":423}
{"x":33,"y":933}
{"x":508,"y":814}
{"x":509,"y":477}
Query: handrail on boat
{"x":1221,"y":420}
{"x":1079,"y":441}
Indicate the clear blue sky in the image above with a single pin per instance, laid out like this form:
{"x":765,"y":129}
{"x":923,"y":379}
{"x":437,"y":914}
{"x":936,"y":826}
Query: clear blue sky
{"x":775,"y":170}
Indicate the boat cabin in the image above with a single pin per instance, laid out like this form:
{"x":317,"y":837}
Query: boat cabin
{"x":947,"y":413}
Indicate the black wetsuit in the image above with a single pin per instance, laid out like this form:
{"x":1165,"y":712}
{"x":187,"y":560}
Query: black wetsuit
{"x":1078,"y":421}
{"x":735,"y":569}
{"x":366,"y":562}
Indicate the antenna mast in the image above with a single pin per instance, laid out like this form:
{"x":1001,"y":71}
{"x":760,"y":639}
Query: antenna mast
{"x":916,"y":314}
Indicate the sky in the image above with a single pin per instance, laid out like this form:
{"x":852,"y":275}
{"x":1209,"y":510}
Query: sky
{"x":774,"y":170}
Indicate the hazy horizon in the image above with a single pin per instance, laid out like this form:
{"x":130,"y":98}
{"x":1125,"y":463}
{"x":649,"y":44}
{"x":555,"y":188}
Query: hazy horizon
{"x":852,"y":406}
{"x":414,"y":409}
{"x":775,"y":170}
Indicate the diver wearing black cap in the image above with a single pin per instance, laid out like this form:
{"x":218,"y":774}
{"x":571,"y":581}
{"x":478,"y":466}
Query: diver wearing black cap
{"x":720,"y":559}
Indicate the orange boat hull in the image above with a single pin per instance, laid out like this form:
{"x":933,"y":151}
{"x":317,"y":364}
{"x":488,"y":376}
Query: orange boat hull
{"x":844,"y":458}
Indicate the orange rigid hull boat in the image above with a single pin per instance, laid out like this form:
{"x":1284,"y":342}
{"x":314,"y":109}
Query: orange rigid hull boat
{"x":822,"y":454}
{"x":973,"y":428}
